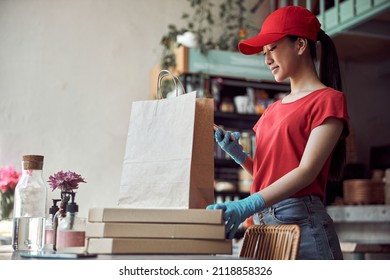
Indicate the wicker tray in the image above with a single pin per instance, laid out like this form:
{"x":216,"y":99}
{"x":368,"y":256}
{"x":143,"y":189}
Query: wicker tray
{"x":363,"y":191}
{"x":271,"y":242}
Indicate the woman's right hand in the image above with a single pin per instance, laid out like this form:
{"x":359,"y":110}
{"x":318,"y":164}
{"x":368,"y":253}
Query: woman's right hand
{"x":230,"y":145}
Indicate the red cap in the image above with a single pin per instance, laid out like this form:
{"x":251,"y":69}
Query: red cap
{"x":289,"y":20}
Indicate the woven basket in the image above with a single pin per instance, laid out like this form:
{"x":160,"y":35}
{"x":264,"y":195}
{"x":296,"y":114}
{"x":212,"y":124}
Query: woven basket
{"x":271,"y":242}
{"x":363,"y":191}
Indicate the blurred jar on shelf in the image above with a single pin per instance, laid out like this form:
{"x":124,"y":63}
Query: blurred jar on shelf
{"x":246,"y":142}
{"x":226,"y":106}
{"x":245,"y":181}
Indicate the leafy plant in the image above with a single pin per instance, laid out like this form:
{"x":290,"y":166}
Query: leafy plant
{"x":169,"y":43}
{"x":201,"y":23}
{"x":233,"y":16}
{"x":233,"y":23}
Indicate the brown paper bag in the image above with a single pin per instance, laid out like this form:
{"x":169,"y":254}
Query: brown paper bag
{"x":169,"y":160}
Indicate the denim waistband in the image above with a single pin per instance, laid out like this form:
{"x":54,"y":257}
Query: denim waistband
{"x":308,"y":199}
{"x":287,"y":201}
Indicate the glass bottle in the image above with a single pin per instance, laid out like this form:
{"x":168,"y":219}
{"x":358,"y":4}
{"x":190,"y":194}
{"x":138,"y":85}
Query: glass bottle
{"x":60,"y":215}
{"x":30,"y":206}
{"x":71,"y":230}
{"x":49,"y":228}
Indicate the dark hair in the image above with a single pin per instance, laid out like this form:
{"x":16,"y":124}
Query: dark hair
{"x":329,"y":74}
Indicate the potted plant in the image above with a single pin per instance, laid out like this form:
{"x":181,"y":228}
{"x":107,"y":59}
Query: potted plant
{"x":232,"y":26}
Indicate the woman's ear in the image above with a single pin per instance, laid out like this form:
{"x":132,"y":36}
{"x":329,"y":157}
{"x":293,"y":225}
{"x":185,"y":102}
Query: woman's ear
{"x":301,"y":45}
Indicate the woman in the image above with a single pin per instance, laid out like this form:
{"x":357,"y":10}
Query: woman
{"x":300,"y":140}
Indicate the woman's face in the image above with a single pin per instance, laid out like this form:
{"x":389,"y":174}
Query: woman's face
{"x":282,"y":58}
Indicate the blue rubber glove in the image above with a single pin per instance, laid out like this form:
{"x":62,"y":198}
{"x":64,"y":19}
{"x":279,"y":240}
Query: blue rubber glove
{"x":236,"y":212}
{"x":232,"y":147}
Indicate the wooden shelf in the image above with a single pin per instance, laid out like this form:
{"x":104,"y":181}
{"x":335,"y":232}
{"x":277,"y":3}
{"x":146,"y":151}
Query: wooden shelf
{"x":233,"y":120}
{"x":225,"y":163}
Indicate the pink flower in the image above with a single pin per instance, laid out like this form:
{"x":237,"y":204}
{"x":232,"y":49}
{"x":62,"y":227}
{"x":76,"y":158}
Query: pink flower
{"x":66,"y":181}
{"x":9,"y":178}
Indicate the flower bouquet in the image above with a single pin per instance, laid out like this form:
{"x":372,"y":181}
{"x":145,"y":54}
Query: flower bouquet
{"x":67,"y":182}
{"x":9,"y":178}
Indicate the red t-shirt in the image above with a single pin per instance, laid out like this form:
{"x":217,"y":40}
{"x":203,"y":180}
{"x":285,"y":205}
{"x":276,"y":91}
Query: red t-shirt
{"x":283,"y":131}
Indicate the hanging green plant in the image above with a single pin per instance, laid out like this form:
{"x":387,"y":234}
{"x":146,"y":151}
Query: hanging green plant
{"x":233,"y":20}
{"x":169,"y":43}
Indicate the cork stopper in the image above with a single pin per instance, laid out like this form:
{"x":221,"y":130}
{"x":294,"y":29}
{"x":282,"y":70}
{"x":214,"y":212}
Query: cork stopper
{"x":32,"y":162}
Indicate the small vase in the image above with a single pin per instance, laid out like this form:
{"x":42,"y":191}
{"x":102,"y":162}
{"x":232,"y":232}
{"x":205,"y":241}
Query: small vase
{"x":6,"y":205}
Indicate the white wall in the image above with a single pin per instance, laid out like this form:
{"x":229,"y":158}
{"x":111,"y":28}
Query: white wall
{"x":69,"y":70}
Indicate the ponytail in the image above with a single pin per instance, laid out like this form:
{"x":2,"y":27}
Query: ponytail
{"x":330,"y":76}
{"x":329,"y":63}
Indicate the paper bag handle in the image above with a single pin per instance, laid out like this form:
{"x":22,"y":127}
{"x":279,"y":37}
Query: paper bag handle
{"x":176,"y":81}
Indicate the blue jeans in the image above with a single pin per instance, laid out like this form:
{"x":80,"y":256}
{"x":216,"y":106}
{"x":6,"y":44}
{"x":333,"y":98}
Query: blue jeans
{"x":319,"y":240}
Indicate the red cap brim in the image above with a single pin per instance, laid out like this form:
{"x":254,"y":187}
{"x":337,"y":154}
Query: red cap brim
{"x":255,"y":44}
